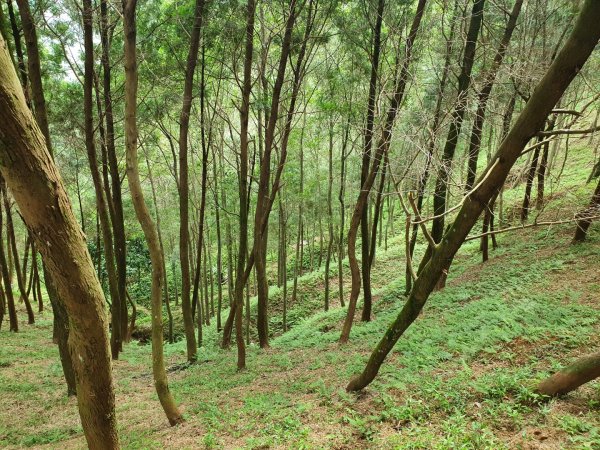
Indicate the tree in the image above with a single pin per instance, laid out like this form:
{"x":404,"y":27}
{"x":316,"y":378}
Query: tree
{"x":184,"y":231}
{"x":551,"y":87}
{"x":382,"y":149}
{"x":143,"y":215}
{"x":30,"y":173}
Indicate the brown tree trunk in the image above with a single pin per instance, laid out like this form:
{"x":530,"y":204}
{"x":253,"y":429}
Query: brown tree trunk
{"x":382,"y":148}
{"x":362,"y":209}
{"x":143,"y":215}
{"x":484,"y":95}
{"x":101,"y":201}
{"x":584,"y":222}
{"x":10,"y":300}
{"x":27,"y":166}
{"x":565,"y":67}
{"x":464,"y":81}
{"x":10,"y":230}
{"x":61,"y":324}
{"x":238,"y":304}
{"x":184,"y":224}
{"x":118,"y":223}
{"x":584,"y":369}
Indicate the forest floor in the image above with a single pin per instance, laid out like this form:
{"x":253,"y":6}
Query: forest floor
{"x":461,"y":377}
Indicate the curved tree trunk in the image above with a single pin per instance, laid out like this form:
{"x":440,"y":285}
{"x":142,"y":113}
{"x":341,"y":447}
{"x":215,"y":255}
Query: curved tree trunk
{"x":141,"y":210}
{"x":382,"y":148}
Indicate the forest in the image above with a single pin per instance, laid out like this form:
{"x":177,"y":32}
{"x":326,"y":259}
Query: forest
{"x":300,"y":224}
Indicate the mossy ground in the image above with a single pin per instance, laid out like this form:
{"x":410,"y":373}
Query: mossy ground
{"x":461,"y":377}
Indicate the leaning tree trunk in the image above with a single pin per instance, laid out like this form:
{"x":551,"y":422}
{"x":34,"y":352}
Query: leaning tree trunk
{"x":29,"y":171}
{"x":143,"y":215}
{"x":580,"y":372}
{"x":60,"y":319}
{"x":565,"y":67}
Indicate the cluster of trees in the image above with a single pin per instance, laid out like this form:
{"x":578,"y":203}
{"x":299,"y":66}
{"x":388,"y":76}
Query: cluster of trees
{"x":209,"y":128}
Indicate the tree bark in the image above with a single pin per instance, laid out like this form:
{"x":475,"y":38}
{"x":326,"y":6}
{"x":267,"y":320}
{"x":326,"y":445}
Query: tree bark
{"x":570,"y":378}
{"x":464,"y":81}
{"x":11,"y":240}
{"x":584,"y":222}
{"x":29,"y":171}
{"x":362,"y":219}
{"x":118,"y":222}
{"x":484,"y":95}
{"x":101,"y":202}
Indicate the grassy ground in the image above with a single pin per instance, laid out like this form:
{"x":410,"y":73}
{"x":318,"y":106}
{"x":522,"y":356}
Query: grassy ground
{"x":461,"y":377}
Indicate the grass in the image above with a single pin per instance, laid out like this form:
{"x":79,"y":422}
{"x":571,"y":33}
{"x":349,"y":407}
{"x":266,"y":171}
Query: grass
{"x":460,"y":378}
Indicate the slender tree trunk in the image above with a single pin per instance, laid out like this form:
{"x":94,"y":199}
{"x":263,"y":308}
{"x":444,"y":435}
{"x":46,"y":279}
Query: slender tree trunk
{"x":184,"y":224}
{"x":341,"y":195}
{"x":143,"y":215}
{"x":382,"y":148}
{"x":118,"y":221}
{"x":219,"y":243}
{"x":443,"y":177}
{"x":565,"y":67}
{"x":329,"y":213}
{"x":364,"y":174}
{"x":12,"y":311}
{"x":101,"y":202}
{"x":529,"y":184}
{"x":484,"y":95}
{"x":162,"y":250}
{"x":243,"y":186}
{"x":10,"y":230}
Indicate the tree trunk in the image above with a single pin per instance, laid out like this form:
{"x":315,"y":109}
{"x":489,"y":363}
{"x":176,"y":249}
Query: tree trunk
{"x":464,"y":81}
{"x":184,"y":224}
{"x":143,"y":215}
{"x":580,"y":372}
{"x":584,"y":222}
{"x":363,"y":208}
{"x":565,"y":67}
{"x":382,"y":149}
{"x":118,"y":222}
{"x":484,"y":95}
{"x":10,"y":300}
{"x":27,"y":166}
{"x":101,"y":202}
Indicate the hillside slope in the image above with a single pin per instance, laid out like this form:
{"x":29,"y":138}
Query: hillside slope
{"x":460,"y":378}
